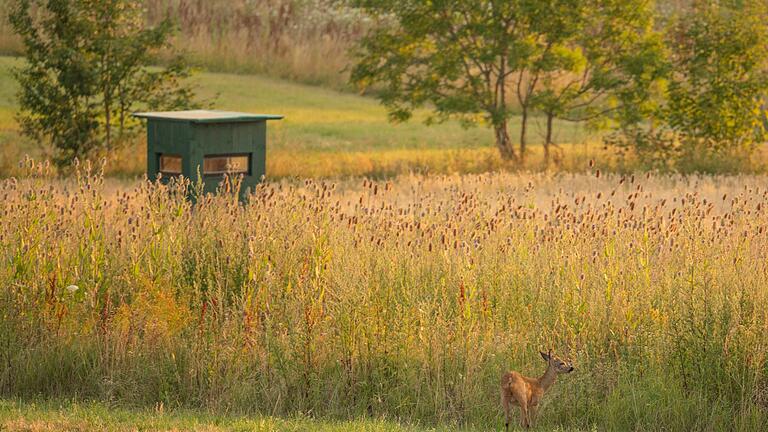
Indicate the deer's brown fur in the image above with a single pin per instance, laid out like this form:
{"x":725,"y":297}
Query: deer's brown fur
{"x":527,"y":392}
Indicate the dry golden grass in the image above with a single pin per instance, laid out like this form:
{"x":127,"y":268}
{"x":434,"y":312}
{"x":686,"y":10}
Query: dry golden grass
{"x":130,"y":162}
{"x":305,"y":41}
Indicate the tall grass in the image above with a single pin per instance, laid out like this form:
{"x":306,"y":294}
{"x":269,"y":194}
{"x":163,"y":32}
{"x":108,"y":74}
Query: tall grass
{"x":290,"y":163}
{"x":9,"y":42}
{"x":282,"y":163}
{"x":302,"y":40}
{"x":403,"y":299}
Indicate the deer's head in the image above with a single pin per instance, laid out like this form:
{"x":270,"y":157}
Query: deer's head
{"x":558,"y":364}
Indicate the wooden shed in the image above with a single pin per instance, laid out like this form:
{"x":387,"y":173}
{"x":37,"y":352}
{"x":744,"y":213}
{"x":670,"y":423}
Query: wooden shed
{"x":211,"y":143}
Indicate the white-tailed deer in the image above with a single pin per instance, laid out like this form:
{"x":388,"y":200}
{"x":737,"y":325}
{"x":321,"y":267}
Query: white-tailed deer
{"x":526,"y":392}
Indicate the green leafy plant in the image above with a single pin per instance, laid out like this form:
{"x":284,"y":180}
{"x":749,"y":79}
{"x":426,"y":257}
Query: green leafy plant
{"x":87,"y":69}
{"x":459,"y":57}
{"x":470,"y":60}
{"x":601,"y":66}
{"x":712,"y":111}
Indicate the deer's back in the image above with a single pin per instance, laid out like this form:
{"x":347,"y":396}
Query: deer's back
{"x":517,"y":385}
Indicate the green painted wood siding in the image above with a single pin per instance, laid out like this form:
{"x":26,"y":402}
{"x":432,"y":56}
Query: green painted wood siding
{"x":167,"y":138}
{"x":229,"y":139}
{"x":193,"y":141}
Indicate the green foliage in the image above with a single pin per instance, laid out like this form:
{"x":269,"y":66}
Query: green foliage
{"x":720,"y":76}
{"x":455,"y":56}
{"x":712,"y":110}
{"x":569,"y":59}
{"x":86,"y":71}
{"x":599,"y":61}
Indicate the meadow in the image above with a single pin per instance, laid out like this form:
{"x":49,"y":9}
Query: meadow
{"x":400,"y":299}
{"x":325,"y":133}
{"x":383,"y":276}
{"x":328,"y":134}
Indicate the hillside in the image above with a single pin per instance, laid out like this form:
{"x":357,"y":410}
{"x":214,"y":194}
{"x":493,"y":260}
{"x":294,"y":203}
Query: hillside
{"x":325,"y":132}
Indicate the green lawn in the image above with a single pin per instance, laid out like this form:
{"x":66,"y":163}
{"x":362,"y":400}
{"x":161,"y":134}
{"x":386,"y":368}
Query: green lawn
{"x":317,"y":121}
{"x":326,"y":120}
{"x":71,"y":416}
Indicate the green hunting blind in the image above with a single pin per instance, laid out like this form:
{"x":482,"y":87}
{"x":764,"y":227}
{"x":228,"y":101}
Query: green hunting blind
{"x":211,"y":143}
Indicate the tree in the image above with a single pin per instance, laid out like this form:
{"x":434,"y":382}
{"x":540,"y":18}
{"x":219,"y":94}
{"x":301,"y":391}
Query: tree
{"x":552,"y":25}
{"x":457,"y":56}
{"x":604,"y":65}
{"x":713,"y":103}
{"x":86,"y":70}
{"x":721,"y":74}
{"x":468,"y":59}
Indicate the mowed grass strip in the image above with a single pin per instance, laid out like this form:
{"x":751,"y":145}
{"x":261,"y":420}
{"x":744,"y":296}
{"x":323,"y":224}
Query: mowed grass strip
{"x":50,"y":416}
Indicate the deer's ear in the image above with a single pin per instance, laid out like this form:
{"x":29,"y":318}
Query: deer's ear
{"x":544,"y":355}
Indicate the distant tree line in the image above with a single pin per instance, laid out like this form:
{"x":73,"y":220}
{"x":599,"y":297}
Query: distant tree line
{"x":666,"y":87}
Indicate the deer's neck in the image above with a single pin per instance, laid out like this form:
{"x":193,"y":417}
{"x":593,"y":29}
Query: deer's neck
{"x":549,"y":377}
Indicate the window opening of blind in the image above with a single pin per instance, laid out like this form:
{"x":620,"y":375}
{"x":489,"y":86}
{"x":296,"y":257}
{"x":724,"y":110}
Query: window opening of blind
{"x":170,"y":164}
{"x":226,"y":164}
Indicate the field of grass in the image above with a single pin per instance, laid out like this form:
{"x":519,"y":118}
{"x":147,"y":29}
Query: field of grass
{"x":325,"y":133}
{"x":401,"y":299}
{"x":382,"y":278}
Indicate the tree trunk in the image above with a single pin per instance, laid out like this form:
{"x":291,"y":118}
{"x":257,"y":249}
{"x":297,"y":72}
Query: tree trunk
{"x":107,"y":100}
{"x":108,"y":119}
{"x":503,"y":142}
{"x":523,"y":133}
{"x":122,"y":116}
{"x":548,"y":139}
